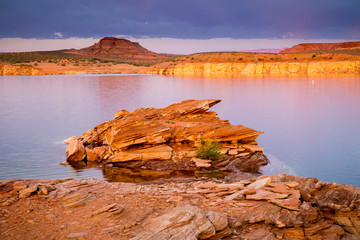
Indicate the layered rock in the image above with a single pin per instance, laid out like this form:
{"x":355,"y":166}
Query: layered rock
{"x":119,"y":48}
{"x":257,"y":68}
{"x":268,"y":207}
{"x":313,"y":47}
{"x":169,"y":137}
{"x":8,"y":69}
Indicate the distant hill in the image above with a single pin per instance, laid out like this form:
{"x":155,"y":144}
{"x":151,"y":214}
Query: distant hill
{"x":263,"y":50}
{"x":121,"y":49}
{"x":314,"y":47}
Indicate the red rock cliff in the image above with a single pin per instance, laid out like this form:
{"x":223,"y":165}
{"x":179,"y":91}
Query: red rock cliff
{"x":311,"y":47}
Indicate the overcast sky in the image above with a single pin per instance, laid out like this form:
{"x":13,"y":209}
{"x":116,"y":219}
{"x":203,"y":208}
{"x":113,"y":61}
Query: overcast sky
{"x":89,"y":20}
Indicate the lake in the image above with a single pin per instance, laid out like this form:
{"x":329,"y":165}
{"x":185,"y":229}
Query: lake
{"x":311,"y":123}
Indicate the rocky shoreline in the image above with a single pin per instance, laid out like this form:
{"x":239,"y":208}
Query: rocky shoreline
{"x":288,"y":68}
{"x":167,"y":140}
{"x":267,"y":207}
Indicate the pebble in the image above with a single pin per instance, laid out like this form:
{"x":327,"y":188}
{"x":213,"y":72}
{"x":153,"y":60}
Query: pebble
{"x":50,"y":216}
{"x":175,"y":199}
{"x":76,"y":235}
{"x":30,"y":221}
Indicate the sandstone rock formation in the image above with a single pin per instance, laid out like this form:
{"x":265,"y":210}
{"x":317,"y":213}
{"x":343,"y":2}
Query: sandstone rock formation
{"x":313,"y":47}
{"x":8,"y":69}
{"x":258,"y":68}
{"x":168,"y":139}
{"x":111,"y":46}
{"x":268,"y":207}
{"x":119,"y":48}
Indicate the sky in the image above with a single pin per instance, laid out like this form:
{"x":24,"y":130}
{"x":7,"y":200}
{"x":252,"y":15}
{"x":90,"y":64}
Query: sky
{"x":177,"y":26}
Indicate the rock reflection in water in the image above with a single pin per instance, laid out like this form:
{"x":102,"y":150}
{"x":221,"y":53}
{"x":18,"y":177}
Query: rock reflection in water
{"x":118,"y":174}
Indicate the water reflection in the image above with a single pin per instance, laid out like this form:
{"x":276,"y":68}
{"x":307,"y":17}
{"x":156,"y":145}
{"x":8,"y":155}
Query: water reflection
{"x":311,"y":123}
{"x":118,"y":174}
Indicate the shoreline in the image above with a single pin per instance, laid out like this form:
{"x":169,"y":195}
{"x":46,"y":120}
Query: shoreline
{"x":267,"y":207}
{"x":205,"y":69}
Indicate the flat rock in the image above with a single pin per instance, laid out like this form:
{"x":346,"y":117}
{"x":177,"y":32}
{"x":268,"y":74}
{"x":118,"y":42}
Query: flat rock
{"x":259,"y":183}
{"x":262,"y":194}
{"x":182,"y":222}
{"x":201,"y":162}
{"x":253,"y":148}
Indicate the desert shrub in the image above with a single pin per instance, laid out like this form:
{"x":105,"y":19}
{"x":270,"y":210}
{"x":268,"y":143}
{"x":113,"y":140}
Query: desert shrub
{"x":314,"y":55}
{"x":209,"y":150}
{"x":35,"y":64}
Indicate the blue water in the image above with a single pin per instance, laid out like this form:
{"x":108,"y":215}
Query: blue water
{"x":311,"y":124}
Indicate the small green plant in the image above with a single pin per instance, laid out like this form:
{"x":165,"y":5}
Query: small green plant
{"x":295,"y":58}
{"x":314,"y":55}
{"x":209,"y":150}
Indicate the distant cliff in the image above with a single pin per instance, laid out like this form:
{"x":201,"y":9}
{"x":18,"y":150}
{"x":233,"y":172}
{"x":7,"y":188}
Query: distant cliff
{"x":253,"y":68}
{"x":313,"y":47}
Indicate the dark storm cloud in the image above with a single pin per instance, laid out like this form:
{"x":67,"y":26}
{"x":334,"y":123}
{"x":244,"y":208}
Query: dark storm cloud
{"x":196,"y":19}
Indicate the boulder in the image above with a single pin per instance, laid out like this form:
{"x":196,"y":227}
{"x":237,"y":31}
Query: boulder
{"x":75,"y":151}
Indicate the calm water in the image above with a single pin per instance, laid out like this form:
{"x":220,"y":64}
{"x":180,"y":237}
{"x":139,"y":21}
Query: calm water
{"x":311,"y":124}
